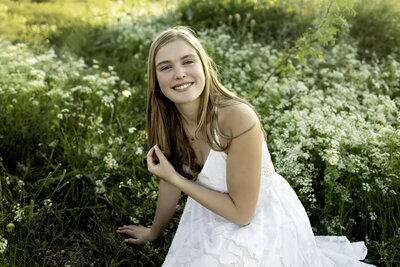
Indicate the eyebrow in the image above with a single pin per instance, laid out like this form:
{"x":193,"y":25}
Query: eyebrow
{"x":182,"y":58}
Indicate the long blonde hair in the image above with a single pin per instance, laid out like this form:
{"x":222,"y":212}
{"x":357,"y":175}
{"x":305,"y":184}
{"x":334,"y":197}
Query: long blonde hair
{"x":164,"y":123}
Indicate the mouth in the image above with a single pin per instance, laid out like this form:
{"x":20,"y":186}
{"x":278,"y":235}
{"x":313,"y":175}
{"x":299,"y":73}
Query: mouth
{"x":182,"y":86}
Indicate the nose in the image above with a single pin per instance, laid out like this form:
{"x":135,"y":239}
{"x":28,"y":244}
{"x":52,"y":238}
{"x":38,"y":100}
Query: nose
{"x":179,"y":73}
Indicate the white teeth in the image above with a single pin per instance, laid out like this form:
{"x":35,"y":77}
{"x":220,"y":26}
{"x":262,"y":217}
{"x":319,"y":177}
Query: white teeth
{"x":183,"y":86}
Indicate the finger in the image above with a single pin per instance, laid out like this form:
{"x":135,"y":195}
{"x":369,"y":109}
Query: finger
{"x":150,"y":159}
{"x":159,"y":153}
{"x":127,"y":232}
{"x":132,"y":241}
{"x":150,"y":152}
{"x":132,"y":227}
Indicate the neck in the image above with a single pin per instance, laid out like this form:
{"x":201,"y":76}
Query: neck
{"x":189,"y":112}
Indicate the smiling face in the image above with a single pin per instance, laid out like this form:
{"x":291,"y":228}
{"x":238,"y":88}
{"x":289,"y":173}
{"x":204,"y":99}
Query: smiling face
{"x":179,"y":72}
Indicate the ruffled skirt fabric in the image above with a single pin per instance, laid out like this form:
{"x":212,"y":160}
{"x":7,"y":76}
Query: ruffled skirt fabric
{"x":278,"y":235}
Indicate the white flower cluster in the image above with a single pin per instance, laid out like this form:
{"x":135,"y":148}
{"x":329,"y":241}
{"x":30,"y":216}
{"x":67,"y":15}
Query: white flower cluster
{"x":134,"y":220}
{"x":48,"y":203}
{"x":139,"y":151}
{"x":332,"y":154}
{"x":99,"y":187}
{"x":21,"y":183}
{"x":19,"y":213}
{"x":110,"y":162}
{"x":3,"y":244}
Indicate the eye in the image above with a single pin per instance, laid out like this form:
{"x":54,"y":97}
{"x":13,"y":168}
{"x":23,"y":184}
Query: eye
{"x":164,"y":68}
{"x":188,"y":62}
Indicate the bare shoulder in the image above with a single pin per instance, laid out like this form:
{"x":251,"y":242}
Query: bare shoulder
{"x":236,"y":119}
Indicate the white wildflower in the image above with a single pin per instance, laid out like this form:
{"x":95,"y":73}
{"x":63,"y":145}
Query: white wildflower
{"x":3,"y":245}
{"x":95,"y":152}
{"x":21,"y":183}
{"x":100,"y":188}
{"x":39,"y":74}
{"x":366,"y":187}
{"x":132,"y":130}
{"x":107,"y":99}
{"x":60,"y":116}
{"x":134,"y":220}
{"x":118,"y":140}
{"x":19,"y":213}
{"x":126,"y":93}
{"x":37,"y":84}
{"x":53,"y":143}
{"x":111,"y":163}
{"x":139,"y":151}
{"x":31,"y":60}
{"x":332,"y":156}
{"x":335,"y":144}
{"x":334,"y":159}
{"x":48,"y":203}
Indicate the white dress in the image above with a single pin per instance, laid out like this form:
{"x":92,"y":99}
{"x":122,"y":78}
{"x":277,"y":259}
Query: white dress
{"x":279,"y":234}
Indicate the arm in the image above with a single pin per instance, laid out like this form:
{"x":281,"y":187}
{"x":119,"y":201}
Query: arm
{"x":243,"y":170}
{"x":168,"y":197}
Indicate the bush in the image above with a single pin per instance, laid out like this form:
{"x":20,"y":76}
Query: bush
{"x":376,"y":28}
{"x":267,"y":20}
{"x":72,"y":149}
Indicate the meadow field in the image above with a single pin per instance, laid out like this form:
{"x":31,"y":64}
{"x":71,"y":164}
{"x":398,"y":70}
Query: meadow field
{"x":323,"y":75}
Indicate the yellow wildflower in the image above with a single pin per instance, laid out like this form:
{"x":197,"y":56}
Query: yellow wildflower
{"x":144,"y":132}
{"x":104,"y":75}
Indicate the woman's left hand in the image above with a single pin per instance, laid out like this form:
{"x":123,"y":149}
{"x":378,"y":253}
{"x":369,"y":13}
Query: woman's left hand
{"x":162,"y":169}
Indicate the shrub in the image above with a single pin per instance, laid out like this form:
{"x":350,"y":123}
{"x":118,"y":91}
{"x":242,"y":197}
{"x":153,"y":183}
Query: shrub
{"x":267,"y":20}
{"x":72,"y":149}
{"x":376,"y":28}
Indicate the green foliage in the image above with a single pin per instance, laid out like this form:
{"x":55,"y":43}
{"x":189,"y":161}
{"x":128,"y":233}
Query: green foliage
{"x":326,"y":25}
{"x":72,"y":145}
{"x":266,"y":20}
{"x":90,"y":29}
{"x":72,"y":148}
{"x":376,"y":28}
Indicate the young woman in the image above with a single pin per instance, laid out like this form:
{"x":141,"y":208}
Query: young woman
{"x":210,"y":144}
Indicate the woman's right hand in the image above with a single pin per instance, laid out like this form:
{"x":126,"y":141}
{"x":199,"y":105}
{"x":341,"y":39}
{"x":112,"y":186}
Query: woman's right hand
{"x":139,"y":234}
